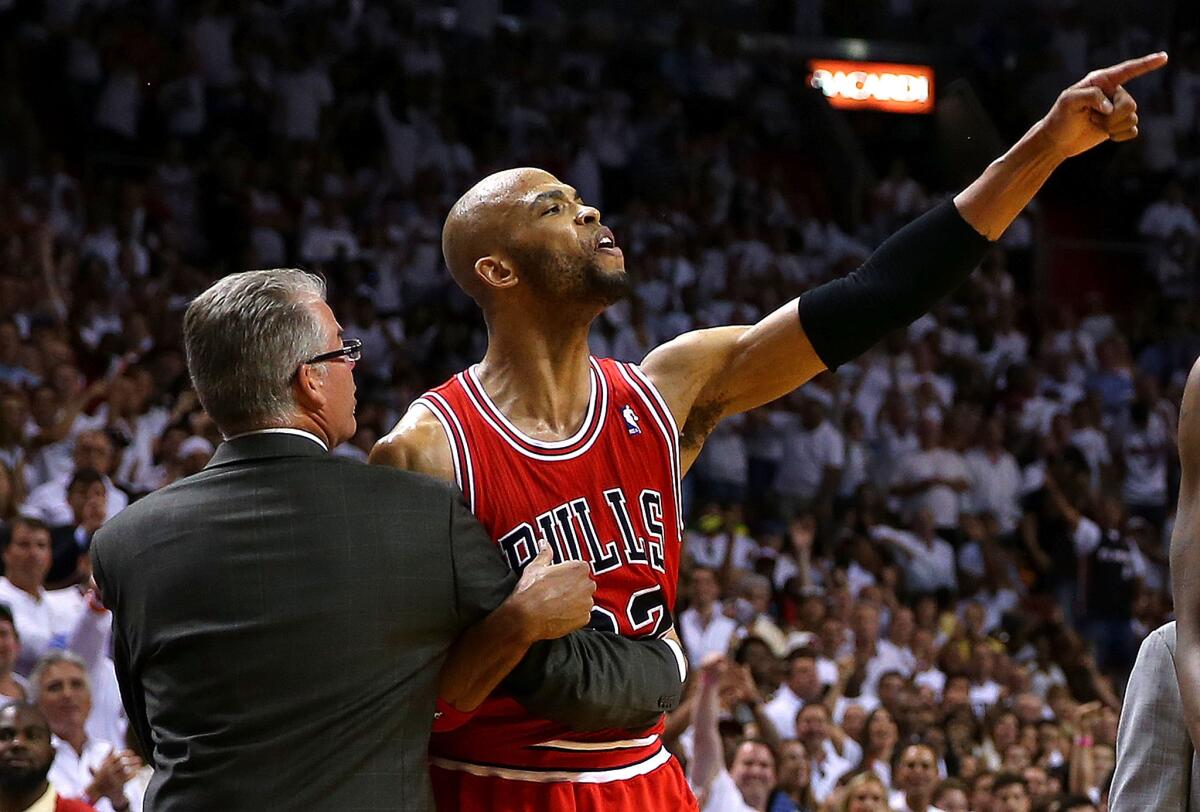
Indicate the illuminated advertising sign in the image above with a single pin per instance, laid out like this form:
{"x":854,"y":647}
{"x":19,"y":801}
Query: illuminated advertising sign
{"x":873,"y":85}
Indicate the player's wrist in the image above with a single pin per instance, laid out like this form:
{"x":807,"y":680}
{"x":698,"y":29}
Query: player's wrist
{"x":518,"y":617}
{"x":1042,"y":142}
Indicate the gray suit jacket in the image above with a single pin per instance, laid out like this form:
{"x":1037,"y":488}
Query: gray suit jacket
{"x":1156,"y":765}
{"x":279,"y":623}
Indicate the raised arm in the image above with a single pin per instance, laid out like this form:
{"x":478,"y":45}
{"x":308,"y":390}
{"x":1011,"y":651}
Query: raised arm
{"x":1185,"y":556}
{"x":708,"y":374}
{"x":588,"y":679}
{"x":707,"y":759}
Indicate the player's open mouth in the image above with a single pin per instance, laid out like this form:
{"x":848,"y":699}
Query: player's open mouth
{"x":605,"y":244}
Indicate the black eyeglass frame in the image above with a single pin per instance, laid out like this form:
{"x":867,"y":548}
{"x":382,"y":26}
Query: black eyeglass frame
{"x":351,"y":349}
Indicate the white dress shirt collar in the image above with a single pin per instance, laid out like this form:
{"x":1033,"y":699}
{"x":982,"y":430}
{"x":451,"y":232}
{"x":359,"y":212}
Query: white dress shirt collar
{"x":283,"y":430}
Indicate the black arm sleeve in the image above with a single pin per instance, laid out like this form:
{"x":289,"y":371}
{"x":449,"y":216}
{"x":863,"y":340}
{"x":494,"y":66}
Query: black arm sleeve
{"x":904,"y":278}
{"x":590,"y":680}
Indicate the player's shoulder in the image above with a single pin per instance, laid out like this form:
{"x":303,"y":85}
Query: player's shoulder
{"x":681,"y":358}
{"x":417,"y":443}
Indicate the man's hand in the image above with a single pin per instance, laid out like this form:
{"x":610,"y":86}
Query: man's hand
{"x":747,"y":689}
{"x":713,"y":668}
{"x":1097,"y":108}
{"x":1093,"y":110}
{"x":552,"y":600}
{"x":108,"y":780}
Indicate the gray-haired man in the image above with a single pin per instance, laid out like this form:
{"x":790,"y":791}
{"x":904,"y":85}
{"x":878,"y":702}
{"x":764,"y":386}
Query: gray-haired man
{"x":281,"y":618}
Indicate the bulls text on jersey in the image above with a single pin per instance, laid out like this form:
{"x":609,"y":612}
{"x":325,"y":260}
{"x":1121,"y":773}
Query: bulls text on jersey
{"x":569,"y":529}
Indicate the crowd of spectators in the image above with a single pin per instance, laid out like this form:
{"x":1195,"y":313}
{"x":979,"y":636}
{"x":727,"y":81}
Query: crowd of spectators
{"x":916,"y":583}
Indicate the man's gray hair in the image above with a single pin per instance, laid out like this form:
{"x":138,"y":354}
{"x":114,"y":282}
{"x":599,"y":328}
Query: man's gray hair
{"x":53,"y":657}
{"x":750,"y":580}
{"x":245,"y":338}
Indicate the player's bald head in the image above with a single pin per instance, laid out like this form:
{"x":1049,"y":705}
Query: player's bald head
{"x":477,"y":225}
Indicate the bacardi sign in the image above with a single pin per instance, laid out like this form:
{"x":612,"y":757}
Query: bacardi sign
{"x":885,"y":86}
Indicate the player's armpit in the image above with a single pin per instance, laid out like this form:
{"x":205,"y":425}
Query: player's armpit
{"x":417,"y":443}
{"x":707,"y":375}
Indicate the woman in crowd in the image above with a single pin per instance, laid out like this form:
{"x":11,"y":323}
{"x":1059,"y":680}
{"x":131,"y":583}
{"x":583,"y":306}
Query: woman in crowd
{"x":795,"y":780}
{"x":864,"y":793}
{"x":879,"y":747}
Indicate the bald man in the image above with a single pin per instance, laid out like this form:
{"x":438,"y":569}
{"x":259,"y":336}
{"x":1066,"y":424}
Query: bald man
{"x":550,"y":445}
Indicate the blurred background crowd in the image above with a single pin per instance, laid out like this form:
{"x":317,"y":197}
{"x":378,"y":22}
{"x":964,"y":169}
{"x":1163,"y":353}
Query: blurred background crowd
{"x":919,"y":582}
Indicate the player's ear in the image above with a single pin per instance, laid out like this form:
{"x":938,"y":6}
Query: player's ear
{"x":495,"y":272}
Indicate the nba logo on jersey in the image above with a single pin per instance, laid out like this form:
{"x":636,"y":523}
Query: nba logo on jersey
{"x":631,"y":419}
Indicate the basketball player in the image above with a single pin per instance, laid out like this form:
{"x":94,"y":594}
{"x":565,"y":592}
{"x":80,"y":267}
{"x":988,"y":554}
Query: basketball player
{"x":550,"y":444}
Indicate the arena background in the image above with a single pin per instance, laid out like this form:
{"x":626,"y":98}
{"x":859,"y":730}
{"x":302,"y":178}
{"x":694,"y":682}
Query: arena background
{"x":926,"y":523}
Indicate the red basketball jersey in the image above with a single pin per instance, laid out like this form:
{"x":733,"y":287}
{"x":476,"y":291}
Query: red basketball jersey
{"x":608,"y":495}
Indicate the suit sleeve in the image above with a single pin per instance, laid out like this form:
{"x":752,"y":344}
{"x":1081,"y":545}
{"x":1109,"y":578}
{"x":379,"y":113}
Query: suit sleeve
{"x":591,"y":680}
{"x":127,"y":680}
{"x":482,"y":579}
{"x":1154,"y":752}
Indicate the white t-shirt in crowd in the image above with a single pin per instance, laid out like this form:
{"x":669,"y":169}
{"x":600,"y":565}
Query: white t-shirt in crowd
{"x":724,"y":456}
{"x":927,"y":568}
{"x":1093,"y":445}
{"x":54,"y":619}
{"x":782,"y":710}
{"x":995,"y":486}
{"x":1163,"y":218}
{"x":825,"y":774}
{"x":71,"y":772}
{"x":1145,"y":454}
{"x":940,"y":500}
{"x":855,"y":472}
{"x":806,"y":455}
{"x":49,"y":501}
{"x":708,"y":550}
{"x":933,"y":679}
{"x":898,"y":803}
{"x":303,"y":94}
{"x":983,"y":696}
{"x":724,"y":796}
{"x":702,"y":639}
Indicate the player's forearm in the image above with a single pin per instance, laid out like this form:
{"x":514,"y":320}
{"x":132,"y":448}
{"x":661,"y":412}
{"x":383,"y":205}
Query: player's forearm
{"x":906,"y":276}
{"x":928,"y":258}
{"x":994,"y":200}
{"x":482,"y":657}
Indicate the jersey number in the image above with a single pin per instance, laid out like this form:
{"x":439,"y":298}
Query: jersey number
{"x":646,"y":611}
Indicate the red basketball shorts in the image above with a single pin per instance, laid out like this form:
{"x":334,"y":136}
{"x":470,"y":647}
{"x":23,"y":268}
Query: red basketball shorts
{"x":662,"y":790}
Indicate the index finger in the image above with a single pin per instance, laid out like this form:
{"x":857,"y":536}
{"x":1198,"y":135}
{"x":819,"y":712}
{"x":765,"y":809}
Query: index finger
{"x":1132,"y":68}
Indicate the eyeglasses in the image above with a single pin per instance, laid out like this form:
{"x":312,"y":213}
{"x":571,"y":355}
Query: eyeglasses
{"x":351,"y":350}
